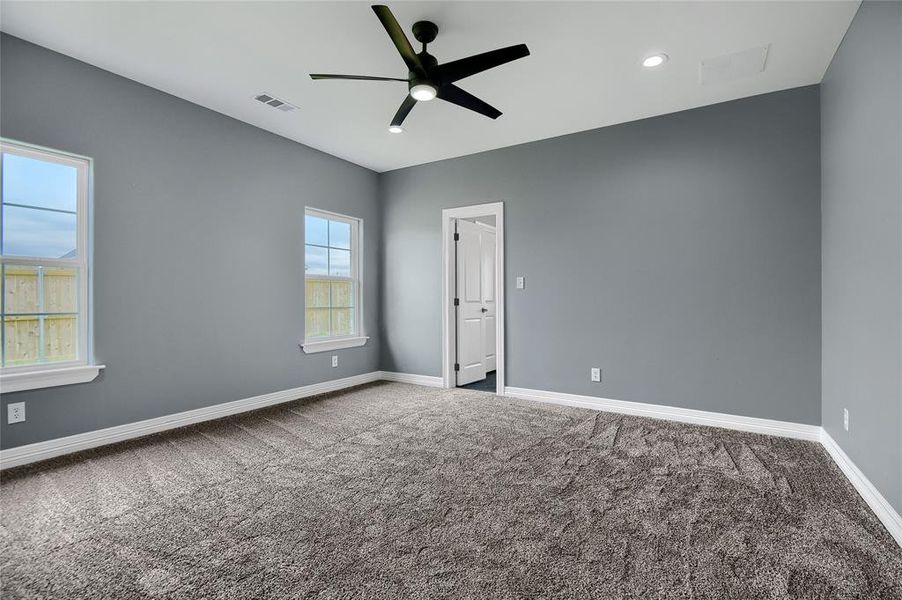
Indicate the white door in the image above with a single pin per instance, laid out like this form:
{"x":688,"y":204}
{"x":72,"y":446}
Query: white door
{"x":488,"y":295}
{"x":470,"y":309}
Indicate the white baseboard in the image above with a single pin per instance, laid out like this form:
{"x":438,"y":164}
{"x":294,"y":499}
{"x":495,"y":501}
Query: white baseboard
{"x":874,"y":499}
{"x":426,"y":380}
{"x":671,"y":413}
{"x":30,"y":453}
{"x":881,"y":507}
{"x":22,"y":455}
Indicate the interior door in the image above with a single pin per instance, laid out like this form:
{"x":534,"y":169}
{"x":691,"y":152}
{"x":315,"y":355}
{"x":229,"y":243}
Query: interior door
{"x":470,"y":309}
{"x":488,"y":295}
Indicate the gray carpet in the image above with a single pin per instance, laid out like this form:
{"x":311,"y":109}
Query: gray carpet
{"x":398,"y":491}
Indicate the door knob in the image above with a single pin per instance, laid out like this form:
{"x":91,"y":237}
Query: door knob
{"x":483,"y":309}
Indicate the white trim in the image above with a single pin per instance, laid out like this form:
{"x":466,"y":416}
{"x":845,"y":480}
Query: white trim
{"x":870,"y":494}
{"x":328,"y":214}
{"x":45,"y":262}
{"x":22,"y":455}
{"x":874,"y":499}
{"x":448,"y":329}
{"x":327,"y":344}
{"x":424,"y":380}
{"x":35,"y":380}
{"x":356,"y":279}
{"x":683,"y":415}
{"x":84,"y":167}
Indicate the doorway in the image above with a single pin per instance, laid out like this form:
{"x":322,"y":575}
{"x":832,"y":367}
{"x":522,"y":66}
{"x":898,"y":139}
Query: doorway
{"x":473,"y":297}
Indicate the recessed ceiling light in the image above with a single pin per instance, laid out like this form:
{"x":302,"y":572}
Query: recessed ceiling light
{"x":396,"y":129}
{"x":655,"y":60}
{"x":423,"y":92}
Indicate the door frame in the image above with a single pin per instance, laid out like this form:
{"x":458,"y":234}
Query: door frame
{"x":449,"y":331}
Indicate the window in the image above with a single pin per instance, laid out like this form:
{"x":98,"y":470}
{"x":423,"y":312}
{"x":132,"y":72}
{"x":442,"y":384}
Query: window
{"x":44,"y":264}
{"x":332,"y":283}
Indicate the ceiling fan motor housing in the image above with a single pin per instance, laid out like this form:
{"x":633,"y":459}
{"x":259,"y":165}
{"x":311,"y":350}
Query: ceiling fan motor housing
{"x":429,"y":62}
{"x":425,"y":31}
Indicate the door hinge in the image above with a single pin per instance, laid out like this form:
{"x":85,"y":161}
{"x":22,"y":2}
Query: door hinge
{"x":457,"y":366}
{"x":456,"y":237}
{"x":457,"y":302}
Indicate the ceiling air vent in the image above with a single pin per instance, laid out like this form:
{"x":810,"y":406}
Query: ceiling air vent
{"x":270,"y":100}
{"x":730,"y":67}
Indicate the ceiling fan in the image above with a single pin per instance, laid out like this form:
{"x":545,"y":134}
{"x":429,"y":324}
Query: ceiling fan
{"x":426,"y":78}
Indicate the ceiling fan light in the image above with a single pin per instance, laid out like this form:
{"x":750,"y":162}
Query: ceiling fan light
{"x":395,"y":129}
{"x":423,"y":92}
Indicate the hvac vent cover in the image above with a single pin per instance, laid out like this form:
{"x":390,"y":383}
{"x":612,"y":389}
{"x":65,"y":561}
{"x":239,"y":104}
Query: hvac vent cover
{"x":270,"y":100}
{"x":731,"y":67}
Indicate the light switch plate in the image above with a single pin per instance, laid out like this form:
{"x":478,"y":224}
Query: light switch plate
{"x":521,"y":283}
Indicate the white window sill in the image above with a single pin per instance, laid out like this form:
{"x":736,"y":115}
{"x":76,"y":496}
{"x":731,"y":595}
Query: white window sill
{"x":34,"y":380}
{"x":314,"y":346}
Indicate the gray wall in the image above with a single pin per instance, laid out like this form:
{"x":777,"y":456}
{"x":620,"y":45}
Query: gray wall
{"x":861,"y":123}
{"x":681,"y":254}
{"x":198,"y":239}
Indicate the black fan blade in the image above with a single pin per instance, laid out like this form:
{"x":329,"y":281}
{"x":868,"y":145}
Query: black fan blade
{"x":402,"y":113}
{"x":458,"y":69}
{"x":453,"y":94}
{"x":397,"y":36}
{"x":360,"y":77}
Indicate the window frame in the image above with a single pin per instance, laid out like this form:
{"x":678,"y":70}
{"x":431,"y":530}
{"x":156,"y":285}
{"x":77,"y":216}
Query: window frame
{"x":359,"y":337}
{"x":83,"y":369}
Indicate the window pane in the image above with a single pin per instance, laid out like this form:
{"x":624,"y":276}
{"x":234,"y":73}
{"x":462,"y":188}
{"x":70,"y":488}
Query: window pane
{"x":316,"y":260}
{"x":342,"y":321}
{"x":25,"y":285}
{"x":317,"y":293}
{"x":316,"y":231}
{"x":60,"y":290}
{"x":60,"y":338}
{"x":339,"y":263}
{"x":339,"y":235}
{"x":39,"y":339}
{"x":22,"y":338}
{"x":36,"y":182}
{"x":20,"y":289}
{"x":342,"y":296}
{"x":316,"y":322}
{"x":42,"y":233}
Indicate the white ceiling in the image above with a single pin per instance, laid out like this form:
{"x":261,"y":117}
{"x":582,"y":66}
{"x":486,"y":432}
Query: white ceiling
{"x":584,"y":71}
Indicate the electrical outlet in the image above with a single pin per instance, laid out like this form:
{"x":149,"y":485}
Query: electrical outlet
{"x":845,"y":419}
{"x":596,"y":374}
{"x":521,"y":283}
{"x":334,"y":360}
{"x":15,"y":412}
